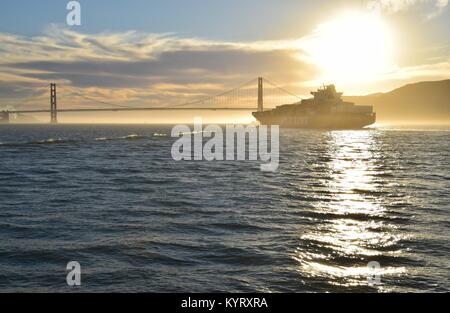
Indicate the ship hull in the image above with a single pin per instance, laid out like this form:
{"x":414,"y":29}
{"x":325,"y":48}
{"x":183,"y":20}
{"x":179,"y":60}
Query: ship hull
{"x":326,"y":121}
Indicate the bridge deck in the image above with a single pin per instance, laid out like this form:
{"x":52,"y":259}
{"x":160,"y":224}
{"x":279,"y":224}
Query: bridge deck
{"x":132,"y":109}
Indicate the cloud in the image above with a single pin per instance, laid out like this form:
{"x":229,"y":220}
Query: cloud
{"x":151,"y":69}
{"x":429,"y":8}
{"x":432,"y":71}
{"x":151,"y":66}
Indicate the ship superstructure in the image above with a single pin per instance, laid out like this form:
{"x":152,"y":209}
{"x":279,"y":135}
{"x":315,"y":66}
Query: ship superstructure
{"x":325,"y":110}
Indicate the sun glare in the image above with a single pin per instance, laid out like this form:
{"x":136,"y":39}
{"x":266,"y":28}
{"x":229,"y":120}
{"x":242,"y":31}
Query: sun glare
{"x":352,"y":48}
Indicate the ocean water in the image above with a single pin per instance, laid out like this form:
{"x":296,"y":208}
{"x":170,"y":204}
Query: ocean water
{"x":111,"y":198}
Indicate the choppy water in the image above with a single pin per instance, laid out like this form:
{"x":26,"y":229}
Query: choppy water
{"x":111,"y":198}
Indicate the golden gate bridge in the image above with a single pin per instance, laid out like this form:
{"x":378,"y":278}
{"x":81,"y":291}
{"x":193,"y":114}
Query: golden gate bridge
{"x":254,"y":95}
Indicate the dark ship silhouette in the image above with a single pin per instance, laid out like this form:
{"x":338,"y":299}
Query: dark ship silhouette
{"x":326,"y":110}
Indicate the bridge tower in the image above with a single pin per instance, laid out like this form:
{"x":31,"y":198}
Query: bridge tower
{"x":53,"y":108}
{"x":260,"y":95}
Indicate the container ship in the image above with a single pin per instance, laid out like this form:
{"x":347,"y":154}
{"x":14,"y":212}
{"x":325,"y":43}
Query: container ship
{"x":326,"y":110}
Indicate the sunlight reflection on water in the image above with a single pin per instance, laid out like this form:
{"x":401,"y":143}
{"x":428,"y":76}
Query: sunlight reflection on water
{"x":354,"y":229}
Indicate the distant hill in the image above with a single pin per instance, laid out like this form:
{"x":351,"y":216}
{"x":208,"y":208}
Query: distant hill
{"x":423,"y":101}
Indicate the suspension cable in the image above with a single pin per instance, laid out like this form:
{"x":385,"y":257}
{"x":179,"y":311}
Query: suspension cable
{"x":216,"y":96}
{"x":201,"y":100}
{"x":97,"y":101}
{"x":283,"y":89}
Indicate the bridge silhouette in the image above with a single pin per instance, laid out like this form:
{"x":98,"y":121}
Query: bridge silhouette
{"x":250,"y":96}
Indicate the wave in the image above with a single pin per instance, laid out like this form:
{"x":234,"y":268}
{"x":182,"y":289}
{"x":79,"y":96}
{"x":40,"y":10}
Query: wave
{"x":239,"y":227}
{"x":102,"y":139}
{"x":355,"y":216}
{"x":368,"y":192}
{"x":132,"y":137}
{"x":54,"y":141}
{"x":127,"y":137}
{"x":48,"y":141}
{"x":208,"y":133}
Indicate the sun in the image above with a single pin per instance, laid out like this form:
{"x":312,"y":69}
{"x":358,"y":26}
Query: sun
{"x":352,"y":48}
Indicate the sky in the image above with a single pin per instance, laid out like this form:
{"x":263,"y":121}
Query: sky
{"x":145,"y":52}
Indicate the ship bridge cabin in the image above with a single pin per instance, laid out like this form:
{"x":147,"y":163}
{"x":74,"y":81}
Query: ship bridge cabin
{"x":327,"y":93}
{"x":328,"y":100}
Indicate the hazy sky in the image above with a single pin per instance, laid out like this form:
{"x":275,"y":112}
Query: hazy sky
{"x":145,"y":52}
